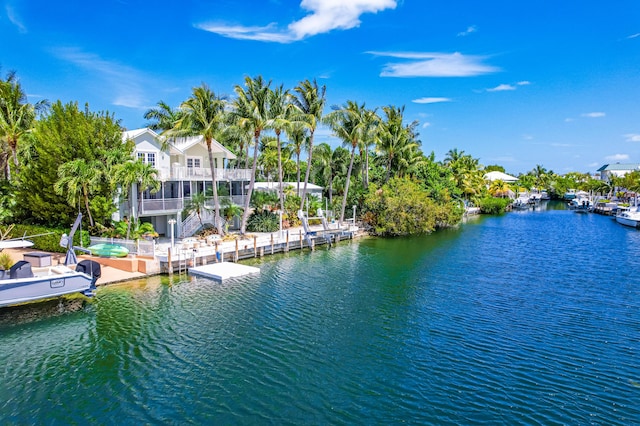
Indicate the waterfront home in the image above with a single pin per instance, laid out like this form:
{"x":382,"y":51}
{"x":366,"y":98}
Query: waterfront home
{"x":496,"y":175}
{"x":183,"y":170}
{"x":617,"y":169}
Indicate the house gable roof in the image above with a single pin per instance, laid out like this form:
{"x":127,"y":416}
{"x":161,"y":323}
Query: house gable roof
{"x":496,"y":175}
{"x":184,"y":143}
{"x":132,"y":134}
{"x":619,"y":167}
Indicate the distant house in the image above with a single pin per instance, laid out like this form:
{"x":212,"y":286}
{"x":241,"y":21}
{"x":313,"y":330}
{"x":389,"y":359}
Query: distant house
{"x":273,"y":187}
{"x":617,"y":169}
{"x":492,"y":176}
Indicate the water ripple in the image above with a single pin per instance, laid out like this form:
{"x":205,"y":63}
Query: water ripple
{"x":526,"y":318}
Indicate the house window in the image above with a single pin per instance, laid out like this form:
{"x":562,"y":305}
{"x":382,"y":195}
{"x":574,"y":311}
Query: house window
{"x":193,"y":162}
{"x":147,"y":157}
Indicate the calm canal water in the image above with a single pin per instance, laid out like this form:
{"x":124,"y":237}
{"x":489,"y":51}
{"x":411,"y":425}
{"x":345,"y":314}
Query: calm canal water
{"x":527,"y":318}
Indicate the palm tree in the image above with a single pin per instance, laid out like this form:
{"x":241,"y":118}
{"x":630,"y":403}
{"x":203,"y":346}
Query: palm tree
{"x":143,"y":176}
{"x":238,"y":140}
{"x":395,"y":139}
{"x":499,"y":188}
{"x":339,"y":161}
{"x":322,"y":163}
{"x":17,"y":116}
{"x":453,"y":156}
{"x":370,"y":137}
{"x":349,"y":123}
{"x":309,"y":101}
{"x":163,"y":116}
{"x":251,"y":110}
{"x":203,"y":114}
{"x":77,"y":179}
{"x":297,"y":140}
{"x":268,"y":158}
{"x":196,"y":204}
{"x":280,"y":114}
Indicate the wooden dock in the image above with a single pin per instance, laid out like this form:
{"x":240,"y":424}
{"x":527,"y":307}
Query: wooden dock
{"x":182,"y":260}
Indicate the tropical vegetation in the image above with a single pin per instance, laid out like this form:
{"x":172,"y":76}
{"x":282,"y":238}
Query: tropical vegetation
{"x":58,"y":160}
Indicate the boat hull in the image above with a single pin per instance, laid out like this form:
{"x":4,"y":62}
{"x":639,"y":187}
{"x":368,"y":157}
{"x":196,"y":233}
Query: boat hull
{"x":626,"y":221}
{"x":14,"y":291}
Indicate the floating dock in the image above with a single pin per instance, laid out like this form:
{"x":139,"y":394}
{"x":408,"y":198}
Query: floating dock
{"x":223,"y":270}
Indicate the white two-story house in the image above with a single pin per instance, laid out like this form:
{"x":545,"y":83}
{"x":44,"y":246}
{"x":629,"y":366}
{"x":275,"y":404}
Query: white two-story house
{"x":183,"y":170}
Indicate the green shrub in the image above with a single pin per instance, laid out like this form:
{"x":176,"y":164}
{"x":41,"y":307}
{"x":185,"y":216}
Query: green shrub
{"x":401,"y":207}
{"x":491,"y":205}
{"x":48,"y":239}
{"x":263,"y":221}
{"x":5,"y":261}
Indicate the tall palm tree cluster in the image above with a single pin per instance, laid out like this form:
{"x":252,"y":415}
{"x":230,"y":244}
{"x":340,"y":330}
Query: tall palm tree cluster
{"x":262,"y":115}
{"x":277,"y":123}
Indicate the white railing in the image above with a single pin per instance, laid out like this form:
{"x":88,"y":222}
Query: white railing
{"x":182,"y":172}
{"x":172,"y":205}
{"x":139,"y":247}
{"x":162,"y":205}
{"x":192,"y":223}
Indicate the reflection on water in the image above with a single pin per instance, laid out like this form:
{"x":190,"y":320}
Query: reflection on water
{"x":528,"y":317}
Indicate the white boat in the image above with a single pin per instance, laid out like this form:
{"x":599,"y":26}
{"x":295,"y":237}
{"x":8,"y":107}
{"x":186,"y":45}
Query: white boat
{"x":569,"y":195}
{"x":581,"y":203}
{"x":522,"y":202}
{"x":629,"y":218}
{"x":24,"y":282}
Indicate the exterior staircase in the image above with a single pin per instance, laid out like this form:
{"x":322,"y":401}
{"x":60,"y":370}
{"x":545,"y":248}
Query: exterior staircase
{"x":192,"y":223}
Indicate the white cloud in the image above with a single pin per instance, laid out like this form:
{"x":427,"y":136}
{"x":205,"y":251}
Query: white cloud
{"x":502,"y":88}
{"x":323,"y":16}
{"x":634,"y":35}
{"x":508,"y":87}
{"x":471,"y":29}
{"x":426,"y":64}
{"x":239,"y":32}
{"x":594,"y":114}
{"x":123,"y":83}
{"x":632,"y":137}
{"x":15,"y":19}
{"x":425,"y":125}
{"x":428,"y":100}
{"x":617,"y":157}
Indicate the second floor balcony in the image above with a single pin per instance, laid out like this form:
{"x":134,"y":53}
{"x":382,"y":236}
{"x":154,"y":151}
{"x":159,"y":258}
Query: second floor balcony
{"x":174,"y":205}
{"x":186,"y":173}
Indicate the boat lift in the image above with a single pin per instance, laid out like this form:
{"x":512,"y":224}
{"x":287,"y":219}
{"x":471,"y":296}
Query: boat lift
{"x":67,"y":241}
{"x":326,"y":233}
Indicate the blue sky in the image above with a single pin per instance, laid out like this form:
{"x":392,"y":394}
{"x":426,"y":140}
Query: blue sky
{"x":555,"y":83}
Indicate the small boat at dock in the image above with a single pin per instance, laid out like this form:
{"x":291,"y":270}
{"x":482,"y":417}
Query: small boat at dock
{"x":581,"y":203}
{"x":629,"y":218}
{"x":24,"y":282}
